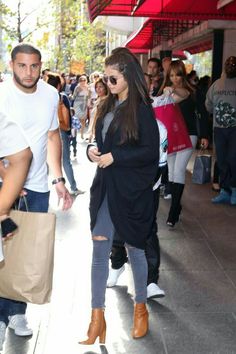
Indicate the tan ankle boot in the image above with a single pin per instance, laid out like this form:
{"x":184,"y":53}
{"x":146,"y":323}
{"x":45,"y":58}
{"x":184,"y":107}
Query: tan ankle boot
{"x":140,"y":321}
{"x":97,"y":327}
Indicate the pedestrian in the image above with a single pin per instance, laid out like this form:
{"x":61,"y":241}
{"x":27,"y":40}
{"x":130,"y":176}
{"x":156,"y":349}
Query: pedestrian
{"x":57,"y":81}
{"x":118,"y":255}
{"x":127,"y":155}
{"x":32,"y":104}
{"x":221,"y":101}
{"x":80,"y":102}
{"x":177,"y":86}
{"x":101,"y":90}
{"x":154,"y":70}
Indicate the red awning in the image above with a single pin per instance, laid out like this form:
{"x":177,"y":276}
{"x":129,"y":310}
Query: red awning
{"x":154,"y":32}
{"x":112,"y":7}
{"x":165,"y":9}
{"x":142,"y":38}
{"x":194,"y":9}
{"x":199,"y":46}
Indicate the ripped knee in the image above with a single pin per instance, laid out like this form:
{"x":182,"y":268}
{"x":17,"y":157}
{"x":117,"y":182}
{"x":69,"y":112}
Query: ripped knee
{"x":99,"y":238}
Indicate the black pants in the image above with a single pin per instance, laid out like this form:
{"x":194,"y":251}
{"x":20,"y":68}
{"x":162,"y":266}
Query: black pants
{"x":216,"y":177}
{"x":225,"y":143}
{"x":118,"y":254}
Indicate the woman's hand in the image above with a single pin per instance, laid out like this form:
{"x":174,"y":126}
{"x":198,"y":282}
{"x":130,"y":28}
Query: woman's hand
{"x":168,"y":90}
{"x":105,"y":160}
{"x":94,"y":154}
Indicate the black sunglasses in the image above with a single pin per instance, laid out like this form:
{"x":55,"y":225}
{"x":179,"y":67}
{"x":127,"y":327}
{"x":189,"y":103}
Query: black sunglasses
{"x":112,"y":79}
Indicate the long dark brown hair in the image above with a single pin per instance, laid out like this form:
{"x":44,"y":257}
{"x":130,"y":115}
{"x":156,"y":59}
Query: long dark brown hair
{"x":100,"y":81}
{"x":125,"y":115}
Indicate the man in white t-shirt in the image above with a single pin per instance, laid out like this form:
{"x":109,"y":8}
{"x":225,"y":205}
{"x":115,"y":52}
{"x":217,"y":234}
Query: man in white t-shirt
{"x":15,"y":148}
{"x":32,"y":104}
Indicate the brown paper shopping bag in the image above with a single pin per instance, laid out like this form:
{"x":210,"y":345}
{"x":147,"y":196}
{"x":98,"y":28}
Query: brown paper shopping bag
{"x":27,"y":270}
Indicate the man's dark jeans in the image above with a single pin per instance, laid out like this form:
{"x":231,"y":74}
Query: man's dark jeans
{"x":225,"y":143}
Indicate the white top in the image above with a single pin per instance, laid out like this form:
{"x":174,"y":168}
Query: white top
{"x":36,"y":114}
{"x":163,"y":149}
{"x":12,"y":139}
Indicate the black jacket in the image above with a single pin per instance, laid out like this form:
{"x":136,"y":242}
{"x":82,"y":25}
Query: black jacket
{"x":128,"y":181}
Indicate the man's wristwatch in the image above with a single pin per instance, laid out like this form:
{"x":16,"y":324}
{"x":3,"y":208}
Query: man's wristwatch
{"x":59,"y":179}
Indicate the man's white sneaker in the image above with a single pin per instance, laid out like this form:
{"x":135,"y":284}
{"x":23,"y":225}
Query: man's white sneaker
{"x":114,"y":276}
{"x":153,"y":291}
{"x":20,"y":325}
{"x":3,"y":328}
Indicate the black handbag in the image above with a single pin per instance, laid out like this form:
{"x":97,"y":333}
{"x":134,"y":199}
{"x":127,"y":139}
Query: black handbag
{"x":202,"y":169}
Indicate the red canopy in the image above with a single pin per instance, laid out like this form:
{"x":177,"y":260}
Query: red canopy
{"x":154,"y":32}
{"x":111,"y":7}
{"x":165,"y":9}
{"x":181,"y":9}
{"x":142,"y":38}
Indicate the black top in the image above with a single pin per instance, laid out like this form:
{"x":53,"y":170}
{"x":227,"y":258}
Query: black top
{"x":129,"y":179}
{"x":188,"y":108}
{"x":203,"y":115}
{"x":189,"y":111}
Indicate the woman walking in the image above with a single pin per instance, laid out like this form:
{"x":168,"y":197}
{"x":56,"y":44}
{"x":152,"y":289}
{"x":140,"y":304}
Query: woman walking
{"x":127,"y":156}
{"x":176,"y":84}
{"x":80,"y":102}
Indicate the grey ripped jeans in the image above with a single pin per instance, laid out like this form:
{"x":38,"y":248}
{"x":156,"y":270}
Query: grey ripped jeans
{"x":100,"y":260}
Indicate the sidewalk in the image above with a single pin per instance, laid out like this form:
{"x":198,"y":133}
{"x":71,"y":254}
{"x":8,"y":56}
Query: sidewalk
{"x":198,"y":274}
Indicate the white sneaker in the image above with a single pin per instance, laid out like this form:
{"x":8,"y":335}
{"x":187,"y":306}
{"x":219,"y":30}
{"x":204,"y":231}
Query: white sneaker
{"x":153,"y":291}
{"x":3,"y":328}
{"x":114,"y":276}
{"x":20,"y":325}
{"x":77,"y":192}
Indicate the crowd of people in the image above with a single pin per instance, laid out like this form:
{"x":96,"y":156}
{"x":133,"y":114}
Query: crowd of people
{"x":135,"y":151}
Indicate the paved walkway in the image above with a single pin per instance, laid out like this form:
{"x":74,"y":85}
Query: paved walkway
{"x":198,"y":273}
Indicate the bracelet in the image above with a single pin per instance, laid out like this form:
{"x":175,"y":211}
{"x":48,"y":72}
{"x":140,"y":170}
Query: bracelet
{"x":59,"y":179}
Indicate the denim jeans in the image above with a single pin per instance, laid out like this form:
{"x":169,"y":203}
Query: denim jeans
{"x":118,"y":254}
{"x":100,"y":260}
{"x":36,"y":202}
{"x":225,"y":143}
{"x":177,"y":162}
{"x":66,"y":160}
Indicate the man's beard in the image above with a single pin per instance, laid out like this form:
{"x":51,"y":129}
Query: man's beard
{"x":19,"y":81}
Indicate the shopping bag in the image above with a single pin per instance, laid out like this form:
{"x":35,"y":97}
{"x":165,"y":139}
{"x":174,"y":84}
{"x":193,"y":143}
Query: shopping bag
{"x":202,"y":169}
{"x":63,"y":116}
{"x":170,"y":115}
{"x":27,"y":269}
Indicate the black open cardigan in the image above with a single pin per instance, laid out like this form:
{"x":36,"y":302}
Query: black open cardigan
{"x":128,"y":181}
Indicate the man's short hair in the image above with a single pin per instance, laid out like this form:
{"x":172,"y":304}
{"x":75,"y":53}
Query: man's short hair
{"x":155,"y":60}
{"x":26,"y":49}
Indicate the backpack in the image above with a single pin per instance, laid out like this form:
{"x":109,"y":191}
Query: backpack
{"x":63,"y":116}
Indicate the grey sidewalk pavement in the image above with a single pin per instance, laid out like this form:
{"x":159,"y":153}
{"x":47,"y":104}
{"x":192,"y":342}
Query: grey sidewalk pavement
{"x":198,"y":274}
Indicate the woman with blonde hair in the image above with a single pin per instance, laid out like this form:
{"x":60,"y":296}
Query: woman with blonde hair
{"x":80,"y":98}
